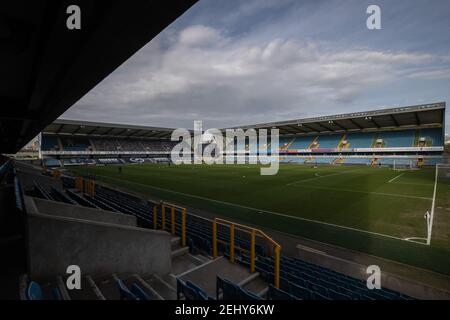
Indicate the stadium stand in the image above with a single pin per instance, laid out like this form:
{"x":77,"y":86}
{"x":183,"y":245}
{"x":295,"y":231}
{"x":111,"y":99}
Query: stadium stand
{"x":397,"y":138}
{"x":299,"y":279}
{"x":187,"y":249}
{"x":328,"y":141}
{"x":360,"y":140}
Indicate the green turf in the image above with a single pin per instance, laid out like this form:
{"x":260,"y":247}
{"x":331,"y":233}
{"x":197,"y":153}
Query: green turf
{"x":358,"y":207}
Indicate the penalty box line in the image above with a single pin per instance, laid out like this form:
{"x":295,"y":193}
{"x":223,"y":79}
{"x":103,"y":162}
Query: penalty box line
{"x":255,"y":209}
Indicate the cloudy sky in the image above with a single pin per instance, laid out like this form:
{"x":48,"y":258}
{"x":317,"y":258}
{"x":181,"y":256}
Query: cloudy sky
{"x":235,"y":62}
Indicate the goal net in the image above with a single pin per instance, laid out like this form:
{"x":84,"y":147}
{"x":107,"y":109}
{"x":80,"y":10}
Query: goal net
{"x":438,"y":219}
{"x":404,"y":164}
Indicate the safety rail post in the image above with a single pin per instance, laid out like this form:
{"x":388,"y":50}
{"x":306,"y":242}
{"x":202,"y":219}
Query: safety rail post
{"x":232,"y":243}
{"x":215,"y":239}
{"x":172,"y":216}
{"x":163,"y":217}
{"x":252,"y":250}
{"x":90,"y":190}
{"x":277,"y":267}
{"x":275,"y":248}
{"x":56,"y":173}
{"x":79,"y":183}
{"x":155,"y":217}
{"x":183,"y":227}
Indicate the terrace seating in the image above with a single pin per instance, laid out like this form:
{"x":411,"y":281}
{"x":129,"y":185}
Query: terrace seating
{"x":49,"y":143}
{"x":433,"y":137}
{"x":305,"y":280}
{"x":190,"y":291}
{"x":51,"y":162}
{"x":299,"y":279}
{"x":359,"y":140}
{"x":75,"y":143}
{"x":397,"y":138}
{"x":329,"y":142}
{"x":278,"y":294}
{"x":301,"y":143}
{"x":125,"y":294}
{"x":104,"y":144}
{"x":228,"y":290}
{"x":34,"y":292}
{"x":139,"y":293}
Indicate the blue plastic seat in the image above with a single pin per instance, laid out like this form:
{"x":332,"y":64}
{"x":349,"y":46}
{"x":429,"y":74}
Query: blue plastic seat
{"x":34,"y":291}
{"x":334,"y":295}
{"x":125,"y":294}
{"x":300,"y":292}
{"x":278,"y":294}
{"x":247,"y":295}
{"x":139,"y":292}
{"x":229,"y":289}
{"x":201,"y":294}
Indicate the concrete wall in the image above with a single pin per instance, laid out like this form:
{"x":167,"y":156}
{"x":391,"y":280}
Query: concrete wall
{"x":414,"y":289}
{"x":36,"y":205}
{"x":98,"y":248}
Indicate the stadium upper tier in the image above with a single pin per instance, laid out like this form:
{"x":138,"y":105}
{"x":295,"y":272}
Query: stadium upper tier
{"x":55,"y":143}
{"x":382,"y":139}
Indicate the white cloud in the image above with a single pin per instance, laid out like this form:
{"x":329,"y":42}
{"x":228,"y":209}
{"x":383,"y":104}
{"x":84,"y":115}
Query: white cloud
{"x":204,"y":74}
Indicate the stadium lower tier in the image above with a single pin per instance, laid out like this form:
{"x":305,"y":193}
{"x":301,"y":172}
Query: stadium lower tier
{"x":299,"y":279}
{"x":373,"y":160}
{"x":412,"y":161}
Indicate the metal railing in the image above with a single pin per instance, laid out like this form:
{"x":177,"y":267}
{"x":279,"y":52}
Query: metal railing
{"x":253,"y":234}
{"x":174,"y":210}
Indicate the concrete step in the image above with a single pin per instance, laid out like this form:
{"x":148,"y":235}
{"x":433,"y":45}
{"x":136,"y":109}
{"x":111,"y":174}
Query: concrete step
{"x":254,"y":284}
{"x":108,"y":287}
{"x":147,"y":288}
{"x":165,"y":290}
{"x":175,"y":243}
{"x":85,"y":293}
{"x":182,"y":263}
{"x":205,"y":276}
{"x":203,"y":257}
{"x":95,"y":288}
{"x":180,"y":252}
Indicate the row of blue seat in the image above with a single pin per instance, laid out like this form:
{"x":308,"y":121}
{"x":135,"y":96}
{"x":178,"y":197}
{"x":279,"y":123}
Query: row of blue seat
{"x":34,"y":292}
{"x":190,"y":291}
{"x":227,"y":290}
{"x":134,"y":293}
{"x":299,"y":279}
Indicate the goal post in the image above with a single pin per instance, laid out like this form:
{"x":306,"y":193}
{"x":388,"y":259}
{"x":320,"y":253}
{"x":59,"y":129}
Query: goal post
{"x":438,"y":218}
{"x":401,"y":165}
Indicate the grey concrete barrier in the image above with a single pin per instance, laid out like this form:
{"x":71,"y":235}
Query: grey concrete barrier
{"x":97,"y":248}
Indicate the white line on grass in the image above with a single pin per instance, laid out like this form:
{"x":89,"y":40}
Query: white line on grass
{"x":395,"y":178}
{"x":396,"y":195}
{"x":319,"y":176}
{"x":255,"y":209}
{"x":414,"y":184}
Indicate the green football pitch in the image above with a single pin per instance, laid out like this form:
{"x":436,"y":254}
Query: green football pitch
{"x":375,"y":210}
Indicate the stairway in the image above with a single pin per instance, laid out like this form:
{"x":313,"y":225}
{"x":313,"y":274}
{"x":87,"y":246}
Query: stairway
{"x":159,"y":287}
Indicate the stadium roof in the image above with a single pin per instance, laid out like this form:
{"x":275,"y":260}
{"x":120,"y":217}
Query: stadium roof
{"x":426,"y":115}
{"x":61,"y":126}
{"x":46,"y":67}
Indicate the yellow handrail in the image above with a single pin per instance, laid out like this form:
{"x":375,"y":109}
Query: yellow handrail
{"x":173,"y":210}
{"x":253,"y":233}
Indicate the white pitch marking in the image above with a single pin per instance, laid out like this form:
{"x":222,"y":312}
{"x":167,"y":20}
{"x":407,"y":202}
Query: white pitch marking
{"x":393,"y":179}
{"x":319,"y":176}
{"x":397,"y":195}
{"x":257,"y":210}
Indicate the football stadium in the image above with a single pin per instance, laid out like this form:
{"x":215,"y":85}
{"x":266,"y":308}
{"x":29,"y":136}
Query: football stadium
{"x":354,"y":192}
